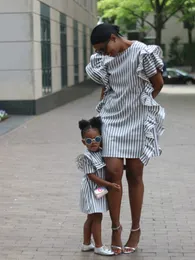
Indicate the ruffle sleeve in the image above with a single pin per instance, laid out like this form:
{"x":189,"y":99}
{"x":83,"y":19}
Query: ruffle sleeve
{"x":90,"y":162}
{"x":150,"y":60}
{"x":84,"y":164}
{"x":98,"y":72}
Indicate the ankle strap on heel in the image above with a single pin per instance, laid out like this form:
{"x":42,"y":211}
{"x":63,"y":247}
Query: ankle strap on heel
{"x":134,"y":230}
{"x":117,"y":228}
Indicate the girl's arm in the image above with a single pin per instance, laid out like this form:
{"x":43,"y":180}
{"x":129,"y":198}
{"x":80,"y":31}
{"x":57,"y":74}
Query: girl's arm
{"x":100,"y":182}
{"x":90,"y":170}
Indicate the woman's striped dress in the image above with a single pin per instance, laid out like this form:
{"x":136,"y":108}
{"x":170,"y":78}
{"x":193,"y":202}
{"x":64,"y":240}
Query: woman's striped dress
{"x":91,"y":162}
{"x":132,"y":119}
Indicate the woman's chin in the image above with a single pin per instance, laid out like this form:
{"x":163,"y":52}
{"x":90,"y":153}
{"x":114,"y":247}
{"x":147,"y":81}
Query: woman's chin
{"x":113,"y":54}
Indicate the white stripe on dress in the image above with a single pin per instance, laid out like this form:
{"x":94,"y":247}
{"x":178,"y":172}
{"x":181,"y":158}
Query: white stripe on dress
{"x":132,"y":119}
{"x":92,"y":164}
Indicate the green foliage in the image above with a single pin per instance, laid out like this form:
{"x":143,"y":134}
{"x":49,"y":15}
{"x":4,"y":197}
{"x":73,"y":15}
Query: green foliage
{"x":189,"y":54}
{"x":138,"y":9}
{"x":188,"y":17}
{"x":176,"y":53}
{"x":127,"y":11}
{"x":181,"y":54}
{"x":123,"y":11}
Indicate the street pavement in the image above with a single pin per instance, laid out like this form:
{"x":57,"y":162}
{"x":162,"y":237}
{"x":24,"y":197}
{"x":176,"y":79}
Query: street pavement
{"x":39,"y":187}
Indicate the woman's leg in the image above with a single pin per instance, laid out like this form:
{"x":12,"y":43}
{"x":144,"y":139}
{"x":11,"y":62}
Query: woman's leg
{"x":87,"y":230}
{"x":134,"y":174}
{"x":96,"y":229}
{"x":114,"y":174}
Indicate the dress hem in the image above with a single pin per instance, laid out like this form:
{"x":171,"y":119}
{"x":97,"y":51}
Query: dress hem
{"x":143,"y":160}
{"x":102,"y":211}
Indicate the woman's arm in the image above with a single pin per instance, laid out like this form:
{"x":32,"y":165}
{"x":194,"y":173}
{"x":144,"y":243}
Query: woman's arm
{"x":102,"y":93}
{"x":157,"y":83}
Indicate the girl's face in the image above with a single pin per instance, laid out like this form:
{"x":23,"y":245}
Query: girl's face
{"x":92,"y":139}
{"x":111,"y":47}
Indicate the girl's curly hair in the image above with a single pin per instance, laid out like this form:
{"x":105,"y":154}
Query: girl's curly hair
{"x":85,"y":125}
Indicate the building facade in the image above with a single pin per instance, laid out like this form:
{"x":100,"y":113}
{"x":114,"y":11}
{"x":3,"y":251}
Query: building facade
{"x":44,"y":48}
{"x":172,"y":28}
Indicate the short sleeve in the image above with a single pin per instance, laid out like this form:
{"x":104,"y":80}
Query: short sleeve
{"x":150,"y":61}
{"x":84,"y":164}
{"x":88,"y":167}
{"x":97,"y":69}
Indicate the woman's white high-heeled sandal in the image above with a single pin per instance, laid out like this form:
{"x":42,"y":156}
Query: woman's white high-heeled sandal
{"x":128,"y":249}
{"x":117,"y":249}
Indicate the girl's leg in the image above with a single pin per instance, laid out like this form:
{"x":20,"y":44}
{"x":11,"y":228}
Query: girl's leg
{"x":97,"y":236}
{"x":134,"y":174}
{"x":114,"y":174}
{"x":96,"y":229}
{"x":87,"y":230}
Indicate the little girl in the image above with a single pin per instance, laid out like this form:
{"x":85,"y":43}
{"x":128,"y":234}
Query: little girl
{"x":93,"y":167}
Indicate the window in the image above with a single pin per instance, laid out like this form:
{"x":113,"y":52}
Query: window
{"x":46,"y":49}
{"x":132,"y":26}
{"x":172,"y":73}
{"x":63,"y":43}
{"x":85,"y":49}
{"x":76,"y":53}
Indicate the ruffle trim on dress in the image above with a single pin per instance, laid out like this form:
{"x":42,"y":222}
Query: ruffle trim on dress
{"x":153,"y":126}
{"x":152,"y":55}
{"x":97,"y":71}
{"x":87,"y":158}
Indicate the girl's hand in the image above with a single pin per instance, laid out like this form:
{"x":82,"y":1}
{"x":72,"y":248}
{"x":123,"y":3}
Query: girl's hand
{"x":116,"y":186}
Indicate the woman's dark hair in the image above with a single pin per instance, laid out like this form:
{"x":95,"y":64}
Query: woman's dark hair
{"x":94,"y":122}
{"x":102,"y":32}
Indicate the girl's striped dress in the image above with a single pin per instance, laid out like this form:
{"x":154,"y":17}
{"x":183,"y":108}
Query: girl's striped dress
{"x":132,"y":119}
{"x":91,"y":162}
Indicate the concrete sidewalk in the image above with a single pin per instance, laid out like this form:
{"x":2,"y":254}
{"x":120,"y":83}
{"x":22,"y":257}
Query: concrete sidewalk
{"x":13,"y":122}
{"x":39,"y":188}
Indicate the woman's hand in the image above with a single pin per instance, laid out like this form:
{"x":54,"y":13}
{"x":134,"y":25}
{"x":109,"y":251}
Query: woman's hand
{"x":115,"y":186}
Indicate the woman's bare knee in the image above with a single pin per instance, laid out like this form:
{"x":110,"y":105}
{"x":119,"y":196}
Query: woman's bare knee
{"x":114,"y":168}
{"x":96,"y":217}
{"x":134,"y":171}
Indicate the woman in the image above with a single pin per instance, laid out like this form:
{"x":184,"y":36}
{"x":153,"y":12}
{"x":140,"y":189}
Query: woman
{"x":131,"y":74}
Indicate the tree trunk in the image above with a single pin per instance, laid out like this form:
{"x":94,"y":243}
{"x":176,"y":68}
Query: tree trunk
{"x":191,"y":61}
{"x":142,"y":19}
{"x":158,"y":35}
{"x":158,"y":22}
{"x":143,"y":33}
{"x":189,"y":35}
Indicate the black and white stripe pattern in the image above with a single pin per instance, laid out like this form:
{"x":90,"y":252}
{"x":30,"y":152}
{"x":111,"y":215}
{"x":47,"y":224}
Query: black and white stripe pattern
{"x":92,"y":163}
{"x":132,"y":119}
